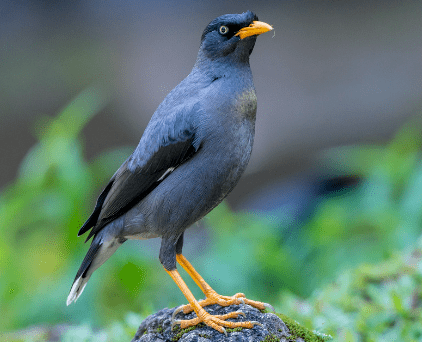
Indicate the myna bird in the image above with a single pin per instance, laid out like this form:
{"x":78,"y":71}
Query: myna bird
{"x":191,"y":155}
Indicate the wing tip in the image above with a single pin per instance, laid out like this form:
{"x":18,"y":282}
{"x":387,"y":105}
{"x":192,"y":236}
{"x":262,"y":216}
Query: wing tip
{"x":86,"y":226}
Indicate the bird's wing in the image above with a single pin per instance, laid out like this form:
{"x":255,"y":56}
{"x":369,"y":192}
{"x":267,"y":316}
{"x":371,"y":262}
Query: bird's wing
{"x":166,"y":143}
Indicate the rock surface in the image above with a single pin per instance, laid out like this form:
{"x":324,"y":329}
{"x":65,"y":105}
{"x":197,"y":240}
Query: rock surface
{"x":157,"y":327}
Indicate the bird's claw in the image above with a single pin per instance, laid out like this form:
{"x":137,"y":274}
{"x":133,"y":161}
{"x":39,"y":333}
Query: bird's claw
{"x":256,"y":323}
{"x":241,"y":313}
{"x":176,"y":311}
{"x":269,"y":306}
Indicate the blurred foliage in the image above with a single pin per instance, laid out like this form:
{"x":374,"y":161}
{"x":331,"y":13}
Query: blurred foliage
{"x":40,"y":214}
{"x":263,"y":255}
{"x":375,"y":302}
{"x":116,"y":331}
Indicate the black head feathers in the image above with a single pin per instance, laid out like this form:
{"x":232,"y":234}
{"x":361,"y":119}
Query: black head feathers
{"x":220,"y":38}
{"x":234,"y":22}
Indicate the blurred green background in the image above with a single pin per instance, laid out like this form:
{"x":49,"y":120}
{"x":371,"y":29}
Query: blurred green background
{"x":325,"y":225}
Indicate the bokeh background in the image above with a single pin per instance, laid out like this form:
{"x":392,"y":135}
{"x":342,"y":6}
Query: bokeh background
{"x":334,"y":181}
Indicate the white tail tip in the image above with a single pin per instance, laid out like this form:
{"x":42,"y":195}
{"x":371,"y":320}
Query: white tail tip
{"x":76,"y":290}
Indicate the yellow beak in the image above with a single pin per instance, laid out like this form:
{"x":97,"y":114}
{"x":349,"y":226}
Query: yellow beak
{"x":254,"y":29}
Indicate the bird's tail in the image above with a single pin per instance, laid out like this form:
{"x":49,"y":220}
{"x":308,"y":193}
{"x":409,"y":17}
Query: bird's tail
{"x":100,"y":250}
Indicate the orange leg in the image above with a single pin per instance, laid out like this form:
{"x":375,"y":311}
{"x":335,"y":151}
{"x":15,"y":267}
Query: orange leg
{"x":218,"y":322}
{"x":213,"y":297}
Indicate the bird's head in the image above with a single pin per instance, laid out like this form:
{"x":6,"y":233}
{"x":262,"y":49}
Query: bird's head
{"x":231,"y":36}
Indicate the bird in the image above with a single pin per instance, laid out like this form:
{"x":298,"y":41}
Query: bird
{"x":190,"y":156}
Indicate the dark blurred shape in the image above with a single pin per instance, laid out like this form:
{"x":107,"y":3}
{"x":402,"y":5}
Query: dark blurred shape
{"x":298,"y":196}
{"x":337,"y":185}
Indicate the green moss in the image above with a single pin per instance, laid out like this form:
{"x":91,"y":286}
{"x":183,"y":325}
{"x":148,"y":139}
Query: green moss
{"x":296,"y":330}
{"x":271,"y":338}
{"x":180,"y":332}
{"x":204,"y":335}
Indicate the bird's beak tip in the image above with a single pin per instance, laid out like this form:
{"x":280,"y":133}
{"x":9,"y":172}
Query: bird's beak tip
{"x":254,"y":29}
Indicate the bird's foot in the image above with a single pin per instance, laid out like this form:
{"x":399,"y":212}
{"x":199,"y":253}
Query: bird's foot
{"x":214,"y":298}
{"x":217,"y":322}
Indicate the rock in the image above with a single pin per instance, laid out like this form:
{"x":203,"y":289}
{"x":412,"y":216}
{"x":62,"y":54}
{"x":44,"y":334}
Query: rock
{"x":157,"y":327}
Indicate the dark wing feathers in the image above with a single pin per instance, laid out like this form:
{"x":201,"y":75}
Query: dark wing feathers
{"x":92,"y":220}
{"x":138,"y":176}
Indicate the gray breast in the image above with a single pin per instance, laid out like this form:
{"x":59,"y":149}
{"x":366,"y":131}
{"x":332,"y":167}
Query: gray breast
{"x":245,"y":104}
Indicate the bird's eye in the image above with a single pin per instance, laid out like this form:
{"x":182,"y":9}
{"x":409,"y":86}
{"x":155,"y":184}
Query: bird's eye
{"x":223,"y":29}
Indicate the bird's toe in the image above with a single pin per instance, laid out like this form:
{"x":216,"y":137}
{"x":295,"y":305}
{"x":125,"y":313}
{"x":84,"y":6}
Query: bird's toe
{"x":215,"y":298}
{"x":217,"y":322}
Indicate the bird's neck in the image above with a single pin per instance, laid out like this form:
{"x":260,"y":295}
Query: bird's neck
{"x":218,"y":64}
{"x":221,"y":66}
